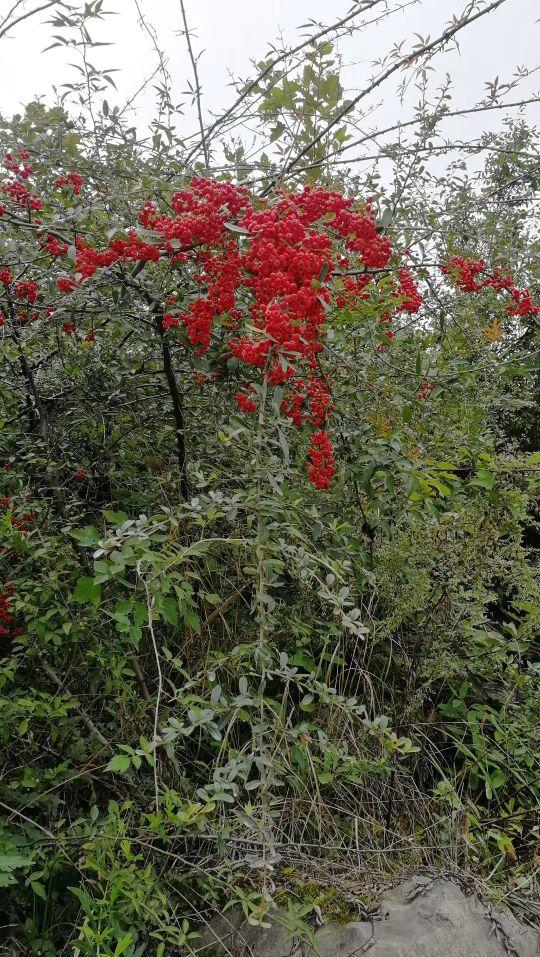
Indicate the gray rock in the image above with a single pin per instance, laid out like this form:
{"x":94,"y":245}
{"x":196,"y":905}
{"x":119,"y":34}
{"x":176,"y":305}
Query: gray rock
{"x":419,"y":918}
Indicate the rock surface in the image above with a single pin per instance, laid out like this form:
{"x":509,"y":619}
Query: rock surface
{"x":419,"y":918}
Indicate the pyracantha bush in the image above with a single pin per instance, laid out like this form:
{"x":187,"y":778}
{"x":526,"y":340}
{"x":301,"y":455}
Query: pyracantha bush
{"x":263,"y":280}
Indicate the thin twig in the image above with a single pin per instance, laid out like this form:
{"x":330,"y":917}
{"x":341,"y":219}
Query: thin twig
{"x":435,"y":117}
{"x":197,"y":91}
{"x":24,"y":16}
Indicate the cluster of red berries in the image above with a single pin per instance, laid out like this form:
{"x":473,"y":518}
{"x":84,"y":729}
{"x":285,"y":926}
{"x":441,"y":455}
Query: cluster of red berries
{"x":407,"y":294}
{"x":470,"y":276}
{"x":308,"y":400}
{"x":54,"y":247}
{"x":132,"y":249}
{"x":66,"y":284}
{"x":28,"y":291}
{"x":245,"y":402}
{"x":21,"y":523}
{"x":170,"y":321}
{"x":265,"y":276}
{"x":321,"y":465}
{"x":25,"y":317}
{"x":16,"y":189}
{"x":18,"y":166}
{"x":425,"y":389}
{"x":20,"y":194}
{"x":353,"y":290}
{"x":74,"y":180}
{"x":7,"y":627}
{"x":523,"y":304}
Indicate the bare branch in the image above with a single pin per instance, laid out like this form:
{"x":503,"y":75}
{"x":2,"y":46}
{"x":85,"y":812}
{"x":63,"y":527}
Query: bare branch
{"x":197,"y":90}
{"x":6,"y":26}
{"x":435,"y":117}
{"x":162,"y":65}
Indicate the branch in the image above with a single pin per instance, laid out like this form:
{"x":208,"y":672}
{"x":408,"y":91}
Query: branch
{"x":197,"y":85}
{"x":32,"y":389}
{"x":367,"y":5}
{"x":178,"y":411}
{"x":150,"y":607}
{"x":24,"y":16}
{"x":25,"y":224}
{"x":389,"y":153}
{"x":150,"y":30}
{"x":438,"y":115}
{"x":143,"y":688}
{"x":44,"y":432}
{"x":403,"y":61}
{"x":11,"y":12}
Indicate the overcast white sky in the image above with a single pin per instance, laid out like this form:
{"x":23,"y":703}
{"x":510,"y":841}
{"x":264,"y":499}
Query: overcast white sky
{"x":233,"y":32}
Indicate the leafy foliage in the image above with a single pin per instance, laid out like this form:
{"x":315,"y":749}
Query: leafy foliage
{"x":216,"y":675}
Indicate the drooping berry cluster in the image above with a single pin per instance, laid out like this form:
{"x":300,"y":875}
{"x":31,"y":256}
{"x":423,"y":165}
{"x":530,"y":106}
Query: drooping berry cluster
{"x":425,"y":389}
{"x":22,"y":522}
{"x":54,"y":247}
{"x":321,"y":465}
{"x":28,"y":291}
{"x":17,"y":166}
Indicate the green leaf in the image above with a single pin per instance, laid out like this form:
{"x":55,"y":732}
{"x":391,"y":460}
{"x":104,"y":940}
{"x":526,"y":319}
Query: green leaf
{"x":123,"y":944}
{"x":192,"y":621}
{"x":325,"y":777}
{"x":86,"y":536}
{"x":120,"y":762}
{"x":9,"y":862}
{"x":38,"y":889}
{"x":497,"y":778}
{"x":169,"y":610}
{"x":386,"y":218}
{"x":389,"y":482}
{"x":484,"y":479}
{"x":233,"y":228}
{"x":439,"y":486}
{"x":116,"y":518}
{"x":86,"y":590}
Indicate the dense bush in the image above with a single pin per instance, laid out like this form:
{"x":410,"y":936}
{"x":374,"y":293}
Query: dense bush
{"x":215,"y":659}
{"x":269,"y":601}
